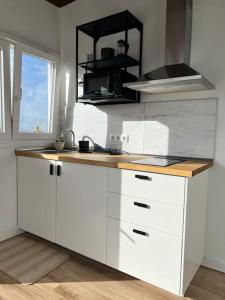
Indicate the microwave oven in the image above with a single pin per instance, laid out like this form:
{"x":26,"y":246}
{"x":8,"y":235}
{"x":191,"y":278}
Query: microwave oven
{"x":107,"y":86}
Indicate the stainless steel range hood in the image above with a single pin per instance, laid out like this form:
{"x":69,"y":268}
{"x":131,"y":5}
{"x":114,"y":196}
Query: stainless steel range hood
{"x":176,"y":75}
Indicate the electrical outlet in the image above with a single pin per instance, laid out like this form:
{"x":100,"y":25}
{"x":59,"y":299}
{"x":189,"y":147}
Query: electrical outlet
{"x":119,"y":138}
{"x":113,"y":138}
{"x":124,"y":138}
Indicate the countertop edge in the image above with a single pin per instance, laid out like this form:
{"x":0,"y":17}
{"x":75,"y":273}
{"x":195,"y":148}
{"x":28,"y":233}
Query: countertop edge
{"x":174,"y":170}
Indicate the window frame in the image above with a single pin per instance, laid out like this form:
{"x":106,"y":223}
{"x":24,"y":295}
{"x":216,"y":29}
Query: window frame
{"x":6,"y":101}
{"x":19,"y":49}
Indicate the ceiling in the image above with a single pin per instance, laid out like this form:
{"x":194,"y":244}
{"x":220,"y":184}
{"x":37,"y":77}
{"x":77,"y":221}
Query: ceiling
{"x":60,"y":3}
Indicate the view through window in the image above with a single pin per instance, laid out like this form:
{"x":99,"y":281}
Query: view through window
{"x":36,"y":100}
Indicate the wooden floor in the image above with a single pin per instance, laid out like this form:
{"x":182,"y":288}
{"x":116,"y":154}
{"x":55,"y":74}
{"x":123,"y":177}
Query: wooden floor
{"x":83,"y":279}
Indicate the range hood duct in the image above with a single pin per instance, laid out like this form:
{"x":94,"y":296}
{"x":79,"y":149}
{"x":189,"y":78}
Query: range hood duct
{"x":176,"y":75}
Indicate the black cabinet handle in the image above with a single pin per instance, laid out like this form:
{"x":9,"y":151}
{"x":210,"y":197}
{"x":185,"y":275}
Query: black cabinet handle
{"x":51,"y":169}
{"x":140,"y":232}
{"x":142,"y":205}
{"x":58,"y":170}
{"x":143,"y":177}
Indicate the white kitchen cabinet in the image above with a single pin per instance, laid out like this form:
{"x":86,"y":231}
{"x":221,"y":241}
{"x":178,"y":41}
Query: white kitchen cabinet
{"x":148,"y":254}
{"x":37,"y":197}
{"x":156,"y":226}
{"x":68,"y":207}
{"x":81,"y":215}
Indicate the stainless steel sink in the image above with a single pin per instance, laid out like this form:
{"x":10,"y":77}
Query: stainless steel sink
{"x":52,"y":151}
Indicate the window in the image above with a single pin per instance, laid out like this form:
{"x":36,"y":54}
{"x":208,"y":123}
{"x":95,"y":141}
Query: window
{"x":29,"y":103}
{"x":34,"y":93}
{"x":4,"y":90}
{"x":36,"y":100}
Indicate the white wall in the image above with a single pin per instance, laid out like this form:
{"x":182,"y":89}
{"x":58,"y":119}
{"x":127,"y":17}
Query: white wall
{"x":36,"y":23}
{"x":31,"y":21}
{"x":208,"y":56}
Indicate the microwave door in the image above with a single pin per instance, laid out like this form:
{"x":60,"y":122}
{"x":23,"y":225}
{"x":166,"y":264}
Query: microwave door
{"x":97,"y":84}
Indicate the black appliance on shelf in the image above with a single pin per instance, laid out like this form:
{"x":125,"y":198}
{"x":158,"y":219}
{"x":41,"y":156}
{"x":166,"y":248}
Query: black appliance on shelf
{"x":103,"y":79}
{"x":107,"y":52}
{"x":107,"y":85}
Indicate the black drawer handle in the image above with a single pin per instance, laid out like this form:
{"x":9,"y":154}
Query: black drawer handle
{"x":142,"y":205}
{"x":51,"y":169}
{"x":140,"y":232}
{"x":143,"y":177}
{"x":58,"y":170}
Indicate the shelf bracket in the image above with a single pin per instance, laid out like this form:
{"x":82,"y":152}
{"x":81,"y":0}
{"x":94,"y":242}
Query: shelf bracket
{"x":94,"y":46}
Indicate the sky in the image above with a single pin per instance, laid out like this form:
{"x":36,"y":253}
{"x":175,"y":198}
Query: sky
{"x":34,"y":101}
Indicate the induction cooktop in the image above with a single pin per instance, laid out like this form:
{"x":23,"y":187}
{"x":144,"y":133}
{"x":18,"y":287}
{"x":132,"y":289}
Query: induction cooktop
{"x":157,"y":161}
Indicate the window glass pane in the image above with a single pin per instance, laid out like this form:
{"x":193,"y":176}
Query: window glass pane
{"x":35,"y":106}
{"x":1,"y":94}
{"x":11,"y":68}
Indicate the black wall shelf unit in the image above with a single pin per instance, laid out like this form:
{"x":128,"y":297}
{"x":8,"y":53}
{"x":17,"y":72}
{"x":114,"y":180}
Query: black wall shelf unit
{"x":119,"y":22}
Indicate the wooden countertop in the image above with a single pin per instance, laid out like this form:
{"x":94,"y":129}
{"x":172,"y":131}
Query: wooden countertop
{"x":188,"y":168}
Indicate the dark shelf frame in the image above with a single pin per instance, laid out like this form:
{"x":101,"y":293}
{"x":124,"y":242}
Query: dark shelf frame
{"x":111,"y":24}
{"x":119,"y":22}
{"x":110,"y":101}
{"x":120,"y":61}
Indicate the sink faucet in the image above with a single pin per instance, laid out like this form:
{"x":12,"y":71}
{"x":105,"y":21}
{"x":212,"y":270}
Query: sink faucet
{"x":65,"y":132}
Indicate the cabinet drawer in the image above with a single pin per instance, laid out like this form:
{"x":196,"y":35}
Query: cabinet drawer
{"x":147,"y":213}
{"x":155,"y":258}
{"x":157,"y":187}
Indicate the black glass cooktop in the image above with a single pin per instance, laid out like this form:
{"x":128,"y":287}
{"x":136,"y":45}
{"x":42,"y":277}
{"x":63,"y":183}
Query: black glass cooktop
{"x":157,"y":161}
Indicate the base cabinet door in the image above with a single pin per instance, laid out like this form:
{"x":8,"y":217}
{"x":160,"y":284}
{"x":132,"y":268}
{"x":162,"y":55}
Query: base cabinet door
{"x":37,"y":196}
{"x":81,"y":214}
{"x":147,"y":254}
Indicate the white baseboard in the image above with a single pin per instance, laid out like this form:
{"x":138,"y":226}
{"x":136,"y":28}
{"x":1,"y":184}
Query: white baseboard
{"x":214,"y":264}
{"x":9,"y":232}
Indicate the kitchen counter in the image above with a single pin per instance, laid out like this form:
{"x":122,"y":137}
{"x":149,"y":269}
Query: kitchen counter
{"x":188,"y":168}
